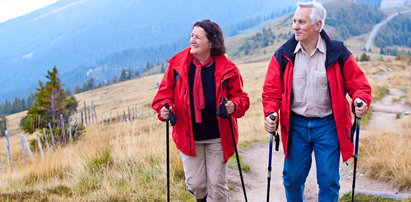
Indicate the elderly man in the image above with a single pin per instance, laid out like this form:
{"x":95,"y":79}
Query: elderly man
{"x":307,"y":80}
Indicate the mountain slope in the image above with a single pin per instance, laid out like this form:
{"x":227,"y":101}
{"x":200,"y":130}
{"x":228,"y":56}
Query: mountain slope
{"x":77,"y":35}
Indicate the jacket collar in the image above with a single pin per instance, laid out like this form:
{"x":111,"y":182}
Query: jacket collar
{"x":182,"y":60}
{"x":334,"y":49}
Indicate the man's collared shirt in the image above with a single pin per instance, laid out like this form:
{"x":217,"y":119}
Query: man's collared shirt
{"x":311,"y":96}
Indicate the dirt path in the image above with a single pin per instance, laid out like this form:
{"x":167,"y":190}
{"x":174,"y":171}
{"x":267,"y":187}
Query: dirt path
{"x":256,"y":157}
{"x":384,"y":113}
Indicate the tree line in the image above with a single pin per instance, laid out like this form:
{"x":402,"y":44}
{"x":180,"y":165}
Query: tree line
{"x":397,"y":32}
{"x":126,"y":74}
{"x":262,"y":39}
{"x":17,"y":105}
{"x":21,"y":104}
{"x":353,"y":20}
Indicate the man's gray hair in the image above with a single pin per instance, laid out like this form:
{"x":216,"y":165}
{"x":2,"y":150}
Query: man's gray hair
{"x":318,"y":11}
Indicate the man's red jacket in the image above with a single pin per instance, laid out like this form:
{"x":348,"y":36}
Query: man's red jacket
{"x":343,"y":75}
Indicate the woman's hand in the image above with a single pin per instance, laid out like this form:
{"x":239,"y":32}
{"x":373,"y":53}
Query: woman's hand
{"x":230,"y":106}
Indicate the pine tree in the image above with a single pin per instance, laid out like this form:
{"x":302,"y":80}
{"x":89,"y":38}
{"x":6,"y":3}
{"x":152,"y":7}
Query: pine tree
{"x":50,"y":101}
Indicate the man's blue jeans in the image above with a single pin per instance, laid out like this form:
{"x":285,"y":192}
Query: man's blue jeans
{"x":308,"y":135}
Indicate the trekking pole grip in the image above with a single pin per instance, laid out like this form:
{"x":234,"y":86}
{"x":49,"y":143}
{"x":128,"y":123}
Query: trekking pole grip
{"x":359,"y":105}
{"x":275,"y":134}
{"x":224,"y":100}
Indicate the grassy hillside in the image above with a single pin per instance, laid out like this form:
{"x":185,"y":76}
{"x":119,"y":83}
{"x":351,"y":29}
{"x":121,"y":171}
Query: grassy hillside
{"x":126,"y":161}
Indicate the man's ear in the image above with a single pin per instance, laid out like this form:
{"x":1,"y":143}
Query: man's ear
{"x":318,"y":25}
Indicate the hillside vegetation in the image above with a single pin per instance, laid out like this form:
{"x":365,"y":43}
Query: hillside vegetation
{"x":395,"y":33}
{"x":351,"y":19}
{"x":344,"y":20}
{"x":126,"y":161}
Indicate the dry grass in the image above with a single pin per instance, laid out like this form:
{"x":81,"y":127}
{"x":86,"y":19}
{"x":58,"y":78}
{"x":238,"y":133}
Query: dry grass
{"x":408,"y":98}
{"x":117,"y":162}
{"x":120,"y":161}
{"x":387,"y":157}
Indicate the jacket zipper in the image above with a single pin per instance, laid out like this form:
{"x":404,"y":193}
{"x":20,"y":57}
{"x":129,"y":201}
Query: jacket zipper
{"x":190,"y":127}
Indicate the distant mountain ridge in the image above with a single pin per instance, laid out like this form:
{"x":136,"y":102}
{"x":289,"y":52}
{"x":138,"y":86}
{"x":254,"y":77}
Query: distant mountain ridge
{"x":76,"y":35}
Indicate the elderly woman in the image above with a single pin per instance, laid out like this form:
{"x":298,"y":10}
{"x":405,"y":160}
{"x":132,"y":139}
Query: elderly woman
{"x":194,"y":84}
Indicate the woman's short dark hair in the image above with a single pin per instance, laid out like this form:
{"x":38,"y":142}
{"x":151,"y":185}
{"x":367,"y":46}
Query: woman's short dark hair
{"x":214,"y":35}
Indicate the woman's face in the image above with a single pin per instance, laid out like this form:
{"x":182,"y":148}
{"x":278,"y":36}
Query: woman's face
{"x":200,"y":45}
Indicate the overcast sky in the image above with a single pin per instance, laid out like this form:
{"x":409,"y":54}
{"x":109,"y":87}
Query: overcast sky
{"x":13,"y":8}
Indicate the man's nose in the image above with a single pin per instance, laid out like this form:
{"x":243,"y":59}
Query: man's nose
{"x":295,"y":26}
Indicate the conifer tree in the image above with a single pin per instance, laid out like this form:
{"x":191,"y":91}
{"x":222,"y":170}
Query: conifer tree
{"x":50,"y":101}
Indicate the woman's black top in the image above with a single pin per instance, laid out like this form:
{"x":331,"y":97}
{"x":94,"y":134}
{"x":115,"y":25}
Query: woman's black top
{"x":208,"y":129}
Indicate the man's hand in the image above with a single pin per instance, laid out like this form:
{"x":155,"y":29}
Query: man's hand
{"x":360,"y":111}
{"x":165,"y":113}
{"x":230,"y":106}
{"x":269,"y":124}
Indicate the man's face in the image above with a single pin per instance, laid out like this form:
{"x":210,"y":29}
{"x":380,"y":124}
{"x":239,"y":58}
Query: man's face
{"x":304,"y":29}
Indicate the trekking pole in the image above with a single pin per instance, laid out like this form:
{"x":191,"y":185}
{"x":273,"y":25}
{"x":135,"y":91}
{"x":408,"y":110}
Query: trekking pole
{"x":357,"y":139}
{"x":167,"y":106}
{"x":224,"y":101}
{"x":172,"y":120}
{"x":277,"y":143}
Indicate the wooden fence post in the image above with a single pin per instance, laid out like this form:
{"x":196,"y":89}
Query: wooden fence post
{"x":46,"y":139}
{"x":25,"y":144}
{"x":110,"y":116}
{"x":69,"y":130}
{"x":82,"y":119}
{"x":63,"y":130}
{"x":8,"y":148}
{"x":89,"y":116}
{"x":75,"y":118}
{"x":117,"y":118}
{"x":22,"y":149}
{"x":52,"y":137}
{"x":85,"y":113}
{"x":40,"y":148}
{"x":92,"y":112}
{"x":129,"y":114}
